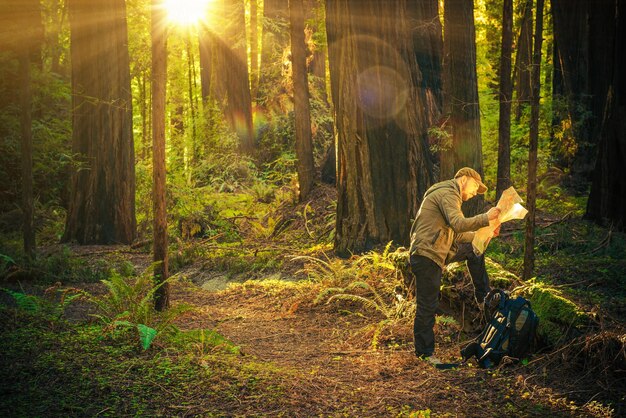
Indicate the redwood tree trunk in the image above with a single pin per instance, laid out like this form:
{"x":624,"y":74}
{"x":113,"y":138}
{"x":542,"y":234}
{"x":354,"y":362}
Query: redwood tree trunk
{"x":159,"y":80}
{"x":275,"y":40}
{"x":607,"y":200}
{"x":461,"y":95}
{"x":27,"y":155}
{"x":523,"y":59}
{"x":506,"y":90}
{"x":572,"y":34}
{"x":224,"y":70}
{"x":531,"y":190}
{"x":381,"y":122}
{"x":304,"y":147}
{"x":428,"y":45}
{"x":254,"y":48}
{"x":102,"y":202}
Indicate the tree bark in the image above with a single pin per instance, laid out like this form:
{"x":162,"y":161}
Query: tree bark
{"x":27,"y":155}
{"x":381,"y":122}
{"x":531,"y":191}
{"x":102,"y":201}
{"x":428,"y":44}
{"x":159,"y":80}
{"x":224,"y":70}
{"x":523,"y":59}
{"x":572,"y":35}
{"x":461,"y":95}
{"x":275,"y":40}
{"x":506,"y":90}
{"x":607,"y":199}
{"x":254,"y":48}
{"x":304,"y":147}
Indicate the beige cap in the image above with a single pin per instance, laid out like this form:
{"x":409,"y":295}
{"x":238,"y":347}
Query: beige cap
{"x":470,"y":172}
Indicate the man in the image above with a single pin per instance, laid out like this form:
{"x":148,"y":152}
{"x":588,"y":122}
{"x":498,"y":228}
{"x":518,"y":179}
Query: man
{"x":440,"y":235}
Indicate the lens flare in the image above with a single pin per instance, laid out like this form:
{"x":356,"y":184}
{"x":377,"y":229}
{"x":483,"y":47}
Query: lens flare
{"x":186,"y":12}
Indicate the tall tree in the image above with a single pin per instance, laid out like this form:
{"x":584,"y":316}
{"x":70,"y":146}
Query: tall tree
{"x":158,"y":33}
{"x":531,"y":190}
{"x":27,"y":154}
{"x":304,"y":146}
{"x":381,"y":122}
{"x":607,"y":199}
{"x":572,"y":71}
{"x":275,"y":41}
{"x":102,"y":202}
{"x":461,"y":94}
{"x":523,"y":59}
{"x":224,"y":69}
{"x":27,"y":21}
{"x":254,"y":47}
{"x":506,"y":90}
{"x":428,"y":44}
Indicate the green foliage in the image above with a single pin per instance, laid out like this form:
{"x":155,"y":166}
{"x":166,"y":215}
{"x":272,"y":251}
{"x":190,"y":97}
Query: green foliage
{"x":59,"y":264}
{"x":204,"y":341}
{"x":51,"y":131}
{"x":398,"y":308}
{"x":131,"y":305}
{"x":331,"y":271}
{"x":70,"y":369}
{"x":559,"y":316}
{"x":48,"y":306}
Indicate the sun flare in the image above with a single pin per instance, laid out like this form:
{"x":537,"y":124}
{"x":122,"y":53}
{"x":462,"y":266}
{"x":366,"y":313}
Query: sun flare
{"x":186,"y":12}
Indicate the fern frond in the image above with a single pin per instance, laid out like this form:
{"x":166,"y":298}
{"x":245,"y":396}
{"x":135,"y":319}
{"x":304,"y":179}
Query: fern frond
{"x":368,"y":303}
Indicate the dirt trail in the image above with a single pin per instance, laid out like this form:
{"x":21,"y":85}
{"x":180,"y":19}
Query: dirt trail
{"x":332,"y":373}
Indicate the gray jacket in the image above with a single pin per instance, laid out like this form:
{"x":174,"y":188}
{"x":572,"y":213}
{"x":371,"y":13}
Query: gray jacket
{"x":440,"y":223}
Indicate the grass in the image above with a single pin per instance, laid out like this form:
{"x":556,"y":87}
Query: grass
{"x":62,"y":369}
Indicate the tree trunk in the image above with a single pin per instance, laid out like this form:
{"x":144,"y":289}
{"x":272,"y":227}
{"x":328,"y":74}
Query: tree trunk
{"x":317,"y":64}
{"x":607,"y":199}
{"x":506,"y":90}
{"x":304,"y":147}
{"x":224,"y":70}
{"x":428,"y":44}
{"x":275,"y":39}
{"x":254,"y":48}
{"x":572,"y":33}
{"x":27,"y":155}
{"x":159,"y":80}
{"x":381,"y":118}
{"x":531,"y":192}
{"x":102,"y":201}
{"x":191,"y":77}
{"x":522,"y":61}
{"x":461,"y":95}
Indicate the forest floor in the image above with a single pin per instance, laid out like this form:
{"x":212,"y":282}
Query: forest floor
{"x":282,"y":352}
{"x":305,"y":359}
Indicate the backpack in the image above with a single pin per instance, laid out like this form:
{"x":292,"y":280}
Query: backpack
{"x":511,"y":332}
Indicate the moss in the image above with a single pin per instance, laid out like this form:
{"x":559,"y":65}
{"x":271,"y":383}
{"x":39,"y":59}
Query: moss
{"x":558,"y":316}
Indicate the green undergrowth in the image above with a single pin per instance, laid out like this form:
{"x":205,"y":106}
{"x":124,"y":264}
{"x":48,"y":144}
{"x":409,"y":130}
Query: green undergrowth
{"x":50,"y":367}
{"x":57,"y":264}
{"x":560,"y":318}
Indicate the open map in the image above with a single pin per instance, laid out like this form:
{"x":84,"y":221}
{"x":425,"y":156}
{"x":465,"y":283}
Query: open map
{"x":510,"y":208}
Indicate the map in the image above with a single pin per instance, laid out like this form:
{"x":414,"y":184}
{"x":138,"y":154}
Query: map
{"x":510,"y":205}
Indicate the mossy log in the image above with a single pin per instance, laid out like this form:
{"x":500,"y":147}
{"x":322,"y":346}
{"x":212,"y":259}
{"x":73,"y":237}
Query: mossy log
{"x":559,"y":318}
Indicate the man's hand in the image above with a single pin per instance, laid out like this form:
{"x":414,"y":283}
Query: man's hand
{"x":493,"y":213}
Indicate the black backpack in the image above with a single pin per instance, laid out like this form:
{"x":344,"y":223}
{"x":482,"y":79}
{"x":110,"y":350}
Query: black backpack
{"x":511,"y":332}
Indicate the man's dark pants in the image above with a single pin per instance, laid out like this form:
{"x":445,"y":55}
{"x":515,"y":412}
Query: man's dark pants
{"x":427,"y":283}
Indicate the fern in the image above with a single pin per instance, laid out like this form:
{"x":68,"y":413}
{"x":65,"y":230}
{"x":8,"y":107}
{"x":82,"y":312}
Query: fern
{"x":368,"y":303}
{"x":29,"y":303}
{"x":132,"y":305}
{"x":46,"y":306}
